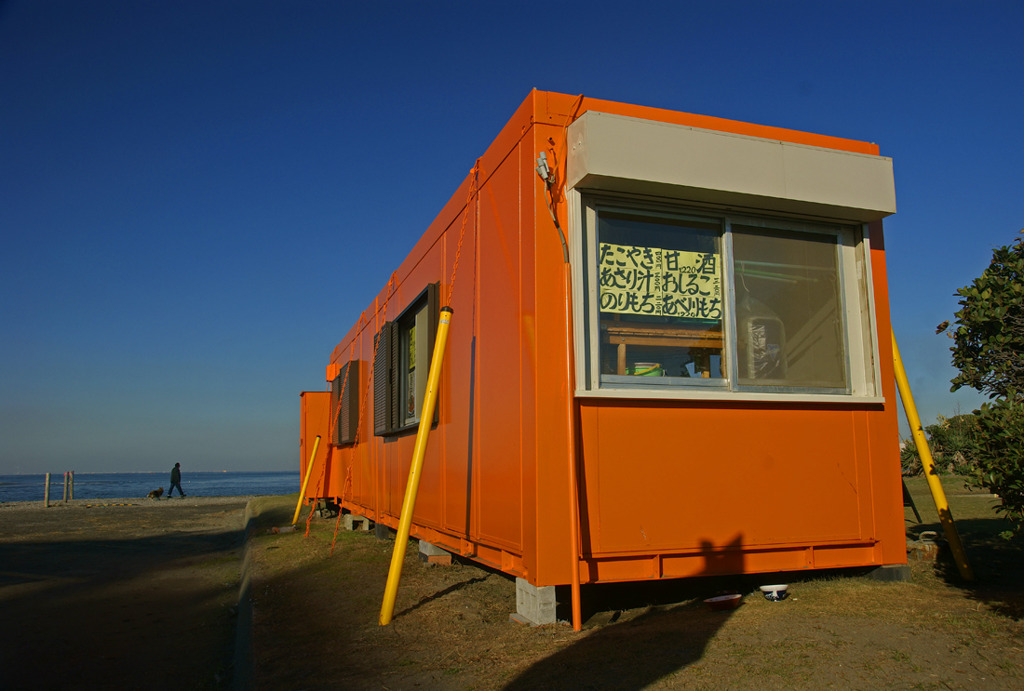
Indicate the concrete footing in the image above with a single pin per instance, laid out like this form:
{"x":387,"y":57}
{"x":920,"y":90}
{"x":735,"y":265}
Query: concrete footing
{"x":351,"y":521}
{"x":891,"y":573}
{"x":535,"y":605}
{"x":926,"y":547}
{"x":432,"y":554}
{"x":382,"y":532}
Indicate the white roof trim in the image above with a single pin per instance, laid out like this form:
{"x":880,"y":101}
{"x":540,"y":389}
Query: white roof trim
{"x":618,"y":153}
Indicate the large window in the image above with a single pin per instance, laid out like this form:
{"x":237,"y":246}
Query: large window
{"x":678,"y":300}
{"x":401,"y":365}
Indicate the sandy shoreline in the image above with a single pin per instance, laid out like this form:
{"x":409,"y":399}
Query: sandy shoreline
{"x":125,"y":501}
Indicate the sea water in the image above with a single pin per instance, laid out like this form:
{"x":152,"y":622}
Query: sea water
{"x":127,"y":485}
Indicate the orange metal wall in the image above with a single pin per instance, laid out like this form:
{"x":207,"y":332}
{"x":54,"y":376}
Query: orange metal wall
{"x":314,"y":407}
{"x":729,"y":487}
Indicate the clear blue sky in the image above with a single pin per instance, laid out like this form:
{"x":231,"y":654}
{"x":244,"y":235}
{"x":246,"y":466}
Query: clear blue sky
{"x":198,"y":198}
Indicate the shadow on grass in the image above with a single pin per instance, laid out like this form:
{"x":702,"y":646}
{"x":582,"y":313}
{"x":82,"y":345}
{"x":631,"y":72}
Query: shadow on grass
{"x":307,"y":602}
{"x":441,"y":593}
{"x":635,"y":653}
{"x":628,"y":655}
{"x":997,"y":563}
{"x":275,"y":512}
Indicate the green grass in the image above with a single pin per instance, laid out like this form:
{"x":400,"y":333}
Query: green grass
{"x":996,"y":561}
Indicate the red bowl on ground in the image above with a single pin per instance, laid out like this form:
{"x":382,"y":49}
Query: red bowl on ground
{"x":723,"y":602}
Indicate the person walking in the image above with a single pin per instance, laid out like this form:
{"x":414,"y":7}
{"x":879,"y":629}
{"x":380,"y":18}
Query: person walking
{"x":175,"y":481}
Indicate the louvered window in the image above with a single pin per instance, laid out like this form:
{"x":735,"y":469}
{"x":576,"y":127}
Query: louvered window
{"x":382,"y":380}
{"x":401,"y":363}
{"x":345,"y":404}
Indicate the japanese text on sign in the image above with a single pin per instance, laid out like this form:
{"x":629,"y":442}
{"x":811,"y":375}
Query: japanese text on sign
{"x":660,"y":282}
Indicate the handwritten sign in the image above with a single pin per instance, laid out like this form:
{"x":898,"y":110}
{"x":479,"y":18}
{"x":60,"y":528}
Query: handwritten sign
{"x":659,"y":282}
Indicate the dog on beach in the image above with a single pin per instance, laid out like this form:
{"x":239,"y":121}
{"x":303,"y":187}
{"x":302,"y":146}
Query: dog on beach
{"x":155,"y":494}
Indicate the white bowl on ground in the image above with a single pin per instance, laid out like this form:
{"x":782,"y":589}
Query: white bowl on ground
{"x":775,"y":593}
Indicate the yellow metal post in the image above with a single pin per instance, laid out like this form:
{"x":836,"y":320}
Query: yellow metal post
{"x":305,"y":480}
{"x":941,"y":505}
{"x":412,"y":485}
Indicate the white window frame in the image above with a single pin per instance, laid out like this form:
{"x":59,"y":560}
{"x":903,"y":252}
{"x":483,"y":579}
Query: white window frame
{"x":418,"y":318}
{"x":856,"y":303}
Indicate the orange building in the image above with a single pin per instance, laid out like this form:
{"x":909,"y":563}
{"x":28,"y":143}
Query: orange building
{"x":694,"y":356}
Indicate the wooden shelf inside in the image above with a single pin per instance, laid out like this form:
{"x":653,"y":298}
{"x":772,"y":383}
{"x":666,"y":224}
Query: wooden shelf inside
{"x":624,"y":334}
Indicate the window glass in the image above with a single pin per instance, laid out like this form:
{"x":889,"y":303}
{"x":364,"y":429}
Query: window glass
{"x":680,"y":298}
{"x":661,"y":301}
{"x":415,"y":362}
{"x":789,"y":327}
{"x":408,"y":385}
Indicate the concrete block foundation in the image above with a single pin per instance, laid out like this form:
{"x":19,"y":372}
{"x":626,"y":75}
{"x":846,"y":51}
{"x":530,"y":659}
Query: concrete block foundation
{"x":535,"y":605}
{"x":891,"y":573}
{"x":351,"y":521}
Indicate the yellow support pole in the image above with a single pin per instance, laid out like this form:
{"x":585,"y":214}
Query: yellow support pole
{"x":412,"y":485}
{"x":305,"y":480}
{"x":574,"y":490}
{"x":941,"y":505}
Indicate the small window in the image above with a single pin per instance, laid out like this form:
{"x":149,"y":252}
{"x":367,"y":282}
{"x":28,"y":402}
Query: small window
{"x":345,"y":404}
{"x":402,"y":356}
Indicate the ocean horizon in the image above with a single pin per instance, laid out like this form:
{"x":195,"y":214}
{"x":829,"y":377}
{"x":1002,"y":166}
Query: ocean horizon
{"x":137,"y":484}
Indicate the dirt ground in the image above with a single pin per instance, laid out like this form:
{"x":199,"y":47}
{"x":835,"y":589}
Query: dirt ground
{"x":119,"y":594}
{"x":451,"y":628}
{"x":143,"y":596}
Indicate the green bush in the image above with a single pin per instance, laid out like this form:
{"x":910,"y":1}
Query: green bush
{"x":953,"y":445}
{"x":910,"y":462}
{"x":988,"y":350}
{"x":999,"y":463}
{"x":988,"y":341}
